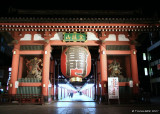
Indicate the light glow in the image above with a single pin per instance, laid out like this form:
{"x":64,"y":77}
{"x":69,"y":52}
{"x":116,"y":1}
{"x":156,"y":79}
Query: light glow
{"x":146,"y":71}
{"x":67,"y":86}
{"x":144,"y":56}
{"x":87,"y":86}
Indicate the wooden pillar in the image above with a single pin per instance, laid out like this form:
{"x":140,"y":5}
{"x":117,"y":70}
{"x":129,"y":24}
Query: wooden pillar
{"x":64,"y":92}
{"x":52,"y":71}
{"x":90,"y":92}
{"x":128,"y":66}
{"x":103,"y":86}
{"x":134,"y":69}
{"x":98,"y":79}
{"x":20,"y":68}
{"x":61,"y":93}
{"x":14,"y":73}
{"x":103,"y":63}
{"x":56,"y":92}
{"x":52,"y":92}
{"x":103,"y":68}
{"x":95,"y":81}
{"x":45,"y":74}
{"x":52,"y":77}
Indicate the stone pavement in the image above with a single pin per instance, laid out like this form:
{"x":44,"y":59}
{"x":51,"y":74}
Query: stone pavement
{"x":78,"y":108}
{"x":75,"y":107}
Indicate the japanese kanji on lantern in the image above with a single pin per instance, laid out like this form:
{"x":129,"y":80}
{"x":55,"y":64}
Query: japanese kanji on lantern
{"x":75,"y":63}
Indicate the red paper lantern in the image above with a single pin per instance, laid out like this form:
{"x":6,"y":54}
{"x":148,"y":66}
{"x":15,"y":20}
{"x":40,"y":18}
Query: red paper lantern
{"x":76,"y":62}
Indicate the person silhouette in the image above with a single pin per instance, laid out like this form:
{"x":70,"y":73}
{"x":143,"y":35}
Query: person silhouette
{"x":71,"y":94}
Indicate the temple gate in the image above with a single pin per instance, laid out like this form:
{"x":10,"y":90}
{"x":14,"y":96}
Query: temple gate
{"x":34,"y":42}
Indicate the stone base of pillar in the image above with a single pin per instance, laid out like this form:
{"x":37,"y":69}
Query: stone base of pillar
{"x":97,"y":97}
{"x":52,"y":96}
{"x":56,"y":97}
{"x":101,"y":99}
{"x":45,"y":98}
{"x":135,"y":89}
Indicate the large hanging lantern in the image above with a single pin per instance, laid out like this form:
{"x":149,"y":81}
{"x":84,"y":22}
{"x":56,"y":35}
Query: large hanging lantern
{"x":75,"y":63}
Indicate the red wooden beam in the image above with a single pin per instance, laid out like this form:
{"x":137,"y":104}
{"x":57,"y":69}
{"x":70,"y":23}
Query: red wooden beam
{"x":31,"y":42}
{"x":29,"y":84}
{"x":123,"y":83}
{"x":116,"y":43}
{"x":88,"y":43}
{"x":115,"y":52}
{"x":30,"y":52}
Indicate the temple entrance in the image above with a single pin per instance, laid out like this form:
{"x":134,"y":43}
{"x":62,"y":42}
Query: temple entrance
{"x":53,"y":69}
{"x":62,"y":88}
{"x":67,"y":90}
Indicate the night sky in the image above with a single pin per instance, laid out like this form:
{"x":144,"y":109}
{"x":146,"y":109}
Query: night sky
{"x":80,"y":4}
{"x":148,"y":8}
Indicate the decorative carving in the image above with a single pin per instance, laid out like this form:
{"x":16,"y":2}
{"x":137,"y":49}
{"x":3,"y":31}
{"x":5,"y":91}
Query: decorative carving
{"x":34,"y":68}
{"x":115,"y":69}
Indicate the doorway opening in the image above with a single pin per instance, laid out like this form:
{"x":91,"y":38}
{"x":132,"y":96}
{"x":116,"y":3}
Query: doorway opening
{"x":64,"y":89}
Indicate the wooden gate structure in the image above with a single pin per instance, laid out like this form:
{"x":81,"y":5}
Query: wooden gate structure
{"x":34,"y":37}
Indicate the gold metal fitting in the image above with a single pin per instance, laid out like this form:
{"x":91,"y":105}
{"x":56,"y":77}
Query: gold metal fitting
{"x":75,"y":79}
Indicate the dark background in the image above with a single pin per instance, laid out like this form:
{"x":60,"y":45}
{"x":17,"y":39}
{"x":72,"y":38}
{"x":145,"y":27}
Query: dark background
{"x":147,"y":7}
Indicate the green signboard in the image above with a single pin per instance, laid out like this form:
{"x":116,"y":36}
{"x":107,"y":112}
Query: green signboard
{"x":75,"y":37}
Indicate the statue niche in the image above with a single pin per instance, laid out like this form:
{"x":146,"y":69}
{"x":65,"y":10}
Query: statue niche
{"x":115,"y":69}
{"x":34,"y":67}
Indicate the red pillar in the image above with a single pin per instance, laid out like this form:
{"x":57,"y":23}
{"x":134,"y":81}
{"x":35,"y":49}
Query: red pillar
{"x":56,"y":91}
{"x":46,"y":66}
{"x":103,"y":68}
{"x":128,"y":66}
{"x":52,"y":92}
{"x":90,"y":92}
{"x":52,"y":69}
{"x":20,"y":68}
{"x":98,"y":80}
{"x":64,"y":92}
{"x":52,"y":75}
{"x":61,"y":92}
{"x":103,"y":63}
{"x":14,"y":73}
{"x":87,"y":93}
{"x":134,"y":69}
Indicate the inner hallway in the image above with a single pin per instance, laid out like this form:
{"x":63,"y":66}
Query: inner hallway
{"x":77,"y":97}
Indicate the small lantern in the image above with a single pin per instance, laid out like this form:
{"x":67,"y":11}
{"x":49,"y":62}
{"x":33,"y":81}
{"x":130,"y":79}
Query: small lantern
{"x":130,"y":83}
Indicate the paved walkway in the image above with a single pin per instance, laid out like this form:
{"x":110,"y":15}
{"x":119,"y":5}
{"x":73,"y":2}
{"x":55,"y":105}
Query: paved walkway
{"x":77,"y":97}
{"x":63,"y":107}
{"x":79,"y":108}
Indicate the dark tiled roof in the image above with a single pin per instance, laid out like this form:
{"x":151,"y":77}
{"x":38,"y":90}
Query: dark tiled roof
{"x":78,"y":16}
